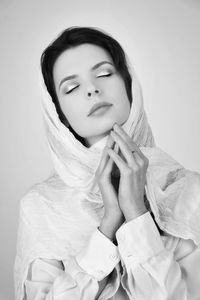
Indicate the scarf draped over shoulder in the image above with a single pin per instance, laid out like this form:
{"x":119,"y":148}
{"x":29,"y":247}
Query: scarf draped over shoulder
{"x":53,"y":212}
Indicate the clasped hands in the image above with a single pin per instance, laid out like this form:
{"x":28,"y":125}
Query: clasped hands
{"x":128,"y":202}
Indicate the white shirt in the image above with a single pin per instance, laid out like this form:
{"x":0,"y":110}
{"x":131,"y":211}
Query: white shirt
{"x":153,"y":267}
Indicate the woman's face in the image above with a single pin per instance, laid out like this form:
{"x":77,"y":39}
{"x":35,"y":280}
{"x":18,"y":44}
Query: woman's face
{"x":79,"y":72}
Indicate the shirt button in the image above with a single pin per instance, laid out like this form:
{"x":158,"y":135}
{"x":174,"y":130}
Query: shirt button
{"x":100,"y":273}
{"x":113,"y":256}
{"x":129,"y":254}
{"x":121,"y":238}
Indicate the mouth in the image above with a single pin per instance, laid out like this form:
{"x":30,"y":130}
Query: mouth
{"x":99,"y":108}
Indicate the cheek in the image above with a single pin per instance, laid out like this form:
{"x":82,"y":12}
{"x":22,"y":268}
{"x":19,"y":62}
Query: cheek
{"x":122,"y":97}
{"x":124,"y":105}
{"x":74,"y":111}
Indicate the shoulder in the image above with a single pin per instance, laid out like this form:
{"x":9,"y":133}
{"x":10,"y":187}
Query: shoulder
{"x":42,"y":194}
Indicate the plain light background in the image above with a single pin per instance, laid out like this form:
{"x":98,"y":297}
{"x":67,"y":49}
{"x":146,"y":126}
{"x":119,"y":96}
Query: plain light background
{"x":161,"y":38}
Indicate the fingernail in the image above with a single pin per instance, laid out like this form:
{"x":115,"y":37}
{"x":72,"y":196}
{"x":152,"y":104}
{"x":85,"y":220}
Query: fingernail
{"x":116,"y":127}
{"x":109,"y":141}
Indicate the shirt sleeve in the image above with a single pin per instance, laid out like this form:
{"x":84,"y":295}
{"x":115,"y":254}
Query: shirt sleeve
{"x":153,"y":271}
{"x":80,"y":280}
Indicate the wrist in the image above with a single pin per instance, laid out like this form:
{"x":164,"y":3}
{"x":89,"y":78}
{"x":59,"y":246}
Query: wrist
{"x":109,"y":226}
{"x":133,"y":212}
{"x":108,"y":232}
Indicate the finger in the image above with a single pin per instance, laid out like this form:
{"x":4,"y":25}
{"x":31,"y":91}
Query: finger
{"x":103,"y":162}
{"x":119,"y":162}
{"x":115,"y":171}
{"x":110,"y":162}
{"x":104,"y":158}
{"x":118,"y":129}
{"x":109,"y":165}
{"x":134,"y":160}
{"x":142,"y":162}
{"x":116,"y":147}
{"x":106,"y":164}
{"x":126,"y":151}
{"x":110,"y":141}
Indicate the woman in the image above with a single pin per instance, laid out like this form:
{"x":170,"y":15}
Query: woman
{"x":118,"y":218}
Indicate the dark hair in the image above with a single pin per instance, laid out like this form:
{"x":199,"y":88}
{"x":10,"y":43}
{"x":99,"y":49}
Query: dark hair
{"x":75,"y":36}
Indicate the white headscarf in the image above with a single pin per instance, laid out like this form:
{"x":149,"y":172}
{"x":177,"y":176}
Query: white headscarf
{"x":47,"y":228}
{"x":75,"y":163}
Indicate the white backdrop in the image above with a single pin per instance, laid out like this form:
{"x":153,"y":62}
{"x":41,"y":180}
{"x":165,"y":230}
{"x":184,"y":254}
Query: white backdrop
{"x":162,"y":38}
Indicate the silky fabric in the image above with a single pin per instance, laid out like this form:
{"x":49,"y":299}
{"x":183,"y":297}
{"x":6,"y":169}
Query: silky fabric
{"x":173,"y":192}
{"x":153,"y":266}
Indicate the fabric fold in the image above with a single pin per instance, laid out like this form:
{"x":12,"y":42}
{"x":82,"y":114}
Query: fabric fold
{"x":58,"y":216}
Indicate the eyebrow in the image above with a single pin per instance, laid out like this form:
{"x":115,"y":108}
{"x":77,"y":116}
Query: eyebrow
{"x":92,"y":69}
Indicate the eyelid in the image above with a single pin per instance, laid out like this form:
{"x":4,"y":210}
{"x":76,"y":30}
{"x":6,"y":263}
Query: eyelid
{"x":105,"y":73}
{"x":108,"y":73}
{"x":69,"y":91}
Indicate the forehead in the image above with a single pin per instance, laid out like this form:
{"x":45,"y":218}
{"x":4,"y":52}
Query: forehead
{"x":80,"y":57}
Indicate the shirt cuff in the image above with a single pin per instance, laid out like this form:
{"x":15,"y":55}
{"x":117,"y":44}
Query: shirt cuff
{"x":138,"y":240}
{"x":99,"y":257}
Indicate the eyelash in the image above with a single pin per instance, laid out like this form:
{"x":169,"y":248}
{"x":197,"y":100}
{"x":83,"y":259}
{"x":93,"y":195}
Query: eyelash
{"x":72,"y":90}
{"x":107,"y":75}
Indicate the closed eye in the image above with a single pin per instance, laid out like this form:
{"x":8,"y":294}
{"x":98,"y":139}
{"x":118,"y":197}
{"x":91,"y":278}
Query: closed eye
{"x":68,"y":92}
{"x":105,"y":75}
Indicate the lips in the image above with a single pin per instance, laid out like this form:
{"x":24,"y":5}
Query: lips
{"x":97,"y":106}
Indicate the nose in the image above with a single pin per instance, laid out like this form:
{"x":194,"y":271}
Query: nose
{"x":92,"y":90}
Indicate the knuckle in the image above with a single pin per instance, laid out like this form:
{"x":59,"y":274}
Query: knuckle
{"x":143,"y":163}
